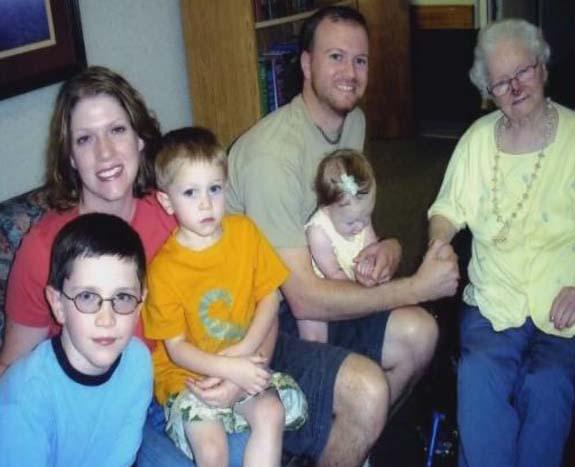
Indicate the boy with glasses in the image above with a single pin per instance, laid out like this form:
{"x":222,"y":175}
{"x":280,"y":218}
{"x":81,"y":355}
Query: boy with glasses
{"x":81,"y":398}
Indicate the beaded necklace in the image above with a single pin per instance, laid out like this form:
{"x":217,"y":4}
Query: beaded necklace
{"x":550,"y":121}
{"x":329,"y":140}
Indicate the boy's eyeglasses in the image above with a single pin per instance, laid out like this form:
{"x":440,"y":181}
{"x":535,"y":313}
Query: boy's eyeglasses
{"x":522,"y":76}
{"x":90,"y":302}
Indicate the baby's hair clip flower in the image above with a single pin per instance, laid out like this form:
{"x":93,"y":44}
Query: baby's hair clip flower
{"x":348,"y":184}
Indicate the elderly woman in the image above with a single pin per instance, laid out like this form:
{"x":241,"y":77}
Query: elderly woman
{"x":511,"y":181}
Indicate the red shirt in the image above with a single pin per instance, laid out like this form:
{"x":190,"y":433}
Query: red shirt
{"x":25,"y":300}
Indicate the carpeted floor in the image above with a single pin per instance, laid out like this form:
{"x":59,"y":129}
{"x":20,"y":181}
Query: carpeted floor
{"x":409,"y":174}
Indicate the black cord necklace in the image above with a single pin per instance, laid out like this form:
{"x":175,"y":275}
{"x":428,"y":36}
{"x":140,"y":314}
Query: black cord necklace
{"x":329,"y":140}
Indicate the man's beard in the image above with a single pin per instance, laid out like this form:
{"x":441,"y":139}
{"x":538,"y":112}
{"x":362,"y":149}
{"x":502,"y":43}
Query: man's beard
{"x":333,"y":103}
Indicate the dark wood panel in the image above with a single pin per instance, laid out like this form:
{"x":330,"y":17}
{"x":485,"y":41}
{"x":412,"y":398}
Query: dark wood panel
{"x":388,"y":100}
{"x":442,"y":16}
{"x":444,"y":97}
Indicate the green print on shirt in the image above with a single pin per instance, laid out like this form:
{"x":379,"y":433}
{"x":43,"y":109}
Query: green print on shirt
{"x":216,"y":328}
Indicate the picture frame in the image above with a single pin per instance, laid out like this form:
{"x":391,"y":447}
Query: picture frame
{"x":41,"y":43}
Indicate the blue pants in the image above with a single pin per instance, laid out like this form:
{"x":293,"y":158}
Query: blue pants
{"x":157,"y":449}
{"x":515,"y":394}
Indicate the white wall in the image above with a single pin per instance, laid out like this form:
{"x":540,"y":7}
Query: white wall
{"x":142,"y":40}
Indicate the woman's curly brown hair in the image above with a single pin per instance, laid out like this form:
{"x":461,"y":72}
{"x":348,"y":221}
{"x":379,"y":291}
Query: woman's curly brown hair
{"x":63,"y":183}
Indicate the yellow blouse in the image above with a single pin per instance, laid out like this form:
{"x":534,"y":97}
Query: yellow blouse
{"x":520,"y":277}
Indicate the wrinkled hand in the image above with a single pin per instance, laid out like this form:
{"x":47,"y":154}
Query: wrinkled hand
{"x":384,"y":255}
{"x":562,"y":312}
{"x":216,"y":392}
{"x":438,"y":275}
{"x":250,"y":373}
{"x":446,"y":252}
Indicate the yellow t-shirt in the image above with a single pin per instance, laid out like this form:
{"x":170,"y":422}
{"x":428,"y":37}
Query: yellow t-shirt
{"x":521,"y":277}
{"x":209,"y":295}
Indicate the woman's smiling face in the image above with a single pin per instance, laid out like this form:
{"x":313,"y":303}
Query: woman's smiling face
{"x":105,"y":150}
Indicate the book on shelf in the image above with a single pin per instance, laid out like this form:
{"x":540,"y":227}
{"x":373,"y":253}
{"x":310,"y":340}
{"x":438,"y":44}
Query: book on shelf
{"x":270,"y":9}
{"x":262,"y":78}
{"x":258,"y":10}
{"x":283,"y":79}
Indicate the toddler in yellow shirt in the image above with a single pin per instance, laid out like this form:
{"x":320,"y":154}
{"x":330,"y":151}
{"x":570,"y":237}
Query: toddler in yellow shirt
{"x":212,"y":305}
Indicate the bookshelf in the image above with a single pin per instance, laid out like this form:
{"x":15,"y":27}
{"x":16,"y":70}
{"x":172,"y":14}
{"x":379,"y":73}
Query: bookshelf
{"x":223,"y":42}
{"x":300,"y":16}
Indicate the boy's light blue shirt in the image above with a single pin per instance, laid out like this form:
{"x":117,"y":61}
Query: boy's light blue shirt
{"x":49,"y":418}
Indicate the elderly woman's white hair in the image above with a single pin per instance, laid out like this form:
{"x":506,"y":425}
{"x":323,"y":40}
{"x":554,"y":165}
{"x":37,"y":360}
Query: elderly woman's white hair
{"x":518,"y":30}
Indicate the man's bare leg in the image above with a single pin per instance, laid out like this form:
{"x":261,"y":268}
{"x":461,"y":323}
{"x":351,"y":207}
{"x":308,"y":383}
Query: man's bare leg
{"x":361,"y":403}
{"x":409,"y":343}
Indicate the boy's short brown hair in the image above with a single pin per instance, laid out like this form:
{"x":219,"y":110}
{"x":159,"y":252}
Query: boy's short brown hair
{"x":188,"y":144}
{"x":94,"y":235}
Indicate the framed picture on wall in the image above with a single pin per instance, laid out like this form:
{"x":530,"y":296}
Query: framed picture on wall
{"x":40,"y":43}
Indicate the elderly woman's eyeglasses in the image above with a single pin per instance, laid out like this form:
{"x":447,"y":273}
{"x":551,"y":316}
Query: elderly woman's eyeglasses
{"x":90,"y":302}
{"x":522,"y":76}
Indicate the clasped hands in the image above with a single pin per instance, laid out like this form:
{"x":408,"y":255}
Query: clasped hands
{"x":377,"y":262}
{"x":437,"y":277}
{"x":248,"y":375}
{"x":438,"y":274}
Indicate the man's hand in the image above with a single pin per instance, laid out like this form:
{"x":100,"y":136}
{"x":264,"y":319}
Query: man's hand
{"x":438,"y":274}
{"x":384,"y":256}
{"x":216,"y":392}
{"x":562,"y":312}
